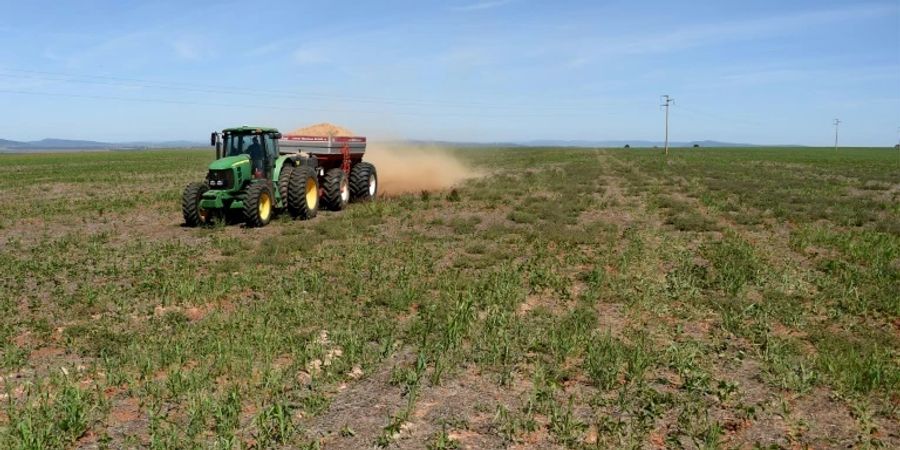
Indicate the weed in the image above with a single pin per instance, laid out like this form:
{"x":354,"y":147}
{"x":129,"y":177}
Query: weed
{"x":621,"y":283}
{"x":734,"y":261}
{"x":442,"y":441}
{"x":274,"y":425}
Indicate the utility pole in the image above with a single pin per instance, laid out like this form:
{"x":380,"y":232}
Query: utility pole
{"x":837,"y":124}
{"x":667,"y":101}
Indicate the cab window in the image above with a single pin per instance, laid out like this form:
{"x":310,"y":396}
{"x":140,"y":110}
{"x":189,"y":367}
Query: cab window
{"x":271,"y":147}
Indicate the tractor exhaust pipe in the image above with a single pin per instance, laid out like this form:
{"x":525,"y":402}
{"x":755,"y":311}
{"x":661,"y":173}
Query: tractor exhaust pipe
{"x":214,"y":140}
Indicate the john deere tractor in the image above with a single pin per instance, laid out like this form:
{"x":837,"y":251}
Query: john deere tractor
{"x":251,"y":181}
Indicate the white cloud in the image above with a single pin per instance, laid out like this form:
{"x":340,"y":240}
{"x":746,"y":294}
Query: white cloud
{"x":266,"y":49}
{"x":479,"y":6}
{"x":575,"y":48}
{"x":705,"y":34}
{"x":308,"y":56}
{"x":188,"y":49}
{"x":465,"y":57}
{"x":577,"y":62}
{"x":794,"y":73}
{"x":20,"y":83}
{"x":133,"y":44}
{"x":132,"y":49}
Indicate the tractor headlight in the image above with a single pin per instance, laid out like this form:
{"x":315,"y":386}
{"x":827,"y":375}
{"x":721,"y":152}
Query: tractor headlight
{"x":220,"y":179}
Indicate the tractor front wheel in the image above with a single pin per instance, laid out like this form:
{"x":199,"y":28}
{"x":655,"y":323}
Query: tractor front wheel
{"x":337,"y":190}
{"x":303,"y":193}
{"x":363,"y":182}
{"x":194,"y":215}
{"x":259,"y":205}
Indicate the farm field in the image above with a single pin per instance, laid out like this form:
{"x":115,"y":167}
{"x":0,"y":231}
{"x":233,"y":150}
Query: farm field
{"x":568,"y":298}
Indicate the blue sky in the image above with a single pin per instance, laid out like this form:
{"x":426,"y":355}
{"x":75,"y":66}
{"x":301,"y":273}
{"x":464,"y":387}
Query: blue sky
{"x":476,"y":70}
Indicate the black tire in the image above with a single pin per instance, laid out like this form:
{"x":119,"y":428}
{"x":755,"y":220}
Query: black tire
{"x":190,"y":205}
{"x":337,"y":190}
{"x":303,"y":193}
{"x":256,"y":211}
{"x":284,"y":181}
{"x":363,"y":182}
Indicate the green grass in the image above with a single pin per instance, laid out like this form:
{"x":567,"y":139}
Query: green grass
{"x":580,"y":298}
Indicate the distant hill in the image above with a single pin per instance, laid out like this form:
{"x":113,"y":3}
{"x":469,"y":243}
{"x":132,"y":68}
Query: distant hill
{"x":56,"y":144}
{"x":75,"y":145}
{"x":71,"y":145}
{"x":632,"y":143}
{"x":9,"y":144}
{"x":165,"y":144}
{"x":637,"y":143}
{"x":68,"y":143}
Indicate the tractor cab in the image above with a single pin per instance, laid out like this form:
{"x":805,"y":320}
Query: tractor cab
{"x":258,"y":144}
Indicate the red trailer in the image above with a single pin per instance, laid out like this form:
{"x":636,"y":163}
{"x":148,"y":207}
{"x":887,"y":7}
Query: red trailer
{"x":343,"y":175}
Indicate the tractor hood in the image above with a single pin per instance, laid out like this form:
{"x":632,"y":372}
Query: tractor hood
{"x":229,"y":162}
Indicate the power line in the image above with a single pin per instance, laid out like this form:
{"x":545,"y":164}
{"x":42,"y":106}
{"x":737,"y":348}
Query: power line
{"x":280,"y":107}
{"x":243,"y":91}
{"x":733,"y":120}
{"x":668,"y":101}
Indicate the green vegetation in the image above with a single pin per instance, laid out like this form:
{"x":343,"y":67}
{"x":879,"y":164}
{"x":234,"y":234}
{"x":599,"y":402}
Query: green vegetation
{"x":580,"y":298}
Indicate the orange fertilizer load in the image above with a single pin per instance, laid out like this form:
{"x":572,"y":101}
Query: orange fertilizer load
{"x":323,"y":130}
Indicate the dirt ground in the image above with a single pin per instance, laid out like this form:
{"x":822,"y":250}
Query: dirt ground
{"x":555,"y":299}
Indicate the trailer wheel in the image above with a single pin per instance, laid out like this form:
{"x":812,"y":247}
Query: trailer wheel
{"x":194,"y":215}
{"x":259,"y":205}
{"x":284,"y":180}
{"x":303,"y":193}
{"x":337,"y":190}
{"x":363,"y":182}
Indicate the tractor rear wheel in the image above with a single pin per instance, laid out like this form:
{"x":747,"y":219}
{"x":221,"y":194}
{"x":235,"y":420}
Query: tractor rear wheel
{"x":194,"y":215}
{"x":363,"y":182}
{"x":337,"y":190}
{"x":284,"y":181}
{"x":259,"y":205}
{"x":303,"y":193}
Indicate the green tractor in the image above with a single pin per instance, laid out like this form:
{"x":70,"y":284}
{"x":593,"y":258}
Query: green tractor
{"x":250,"y":181}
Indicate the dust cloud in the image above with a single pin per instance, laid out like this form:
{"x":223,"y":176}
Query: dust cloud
{"x":405,"y":168}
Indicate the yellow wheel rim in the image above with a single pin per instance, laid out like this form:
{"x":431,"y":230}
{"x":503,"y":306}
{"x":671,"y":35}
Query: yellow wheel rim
{"x":312,"y":193}
{"x":204,"y":214}
{"x":345,"y":191}
{"x":265,"y":206}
